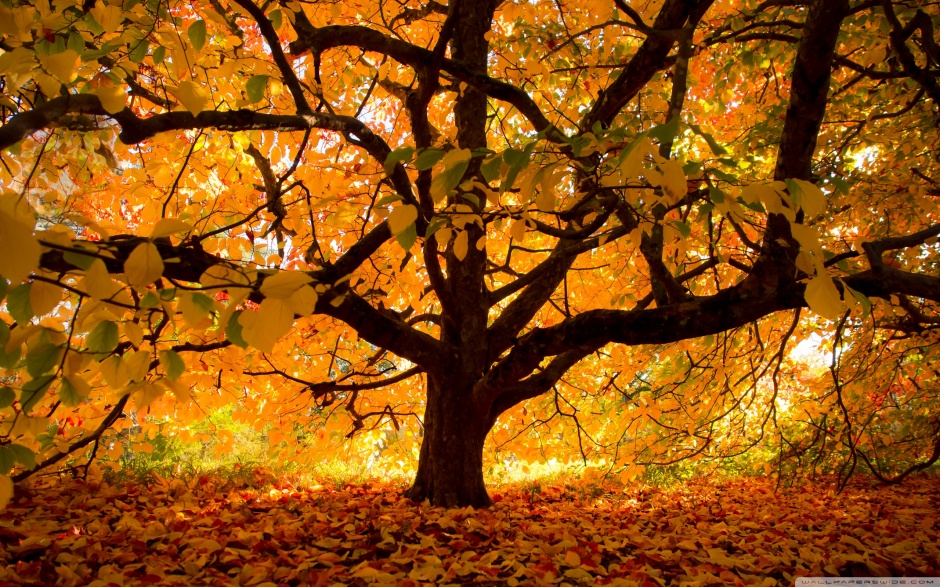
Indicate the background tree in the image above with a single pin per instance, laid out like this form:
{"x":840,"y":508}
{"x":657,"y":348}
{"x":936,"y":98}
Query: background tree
{"x":428,"y":215}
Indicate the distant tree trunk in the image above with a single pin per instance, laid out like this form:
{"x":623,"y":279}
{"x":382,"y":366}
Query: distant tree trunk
{"x":450,"y":466}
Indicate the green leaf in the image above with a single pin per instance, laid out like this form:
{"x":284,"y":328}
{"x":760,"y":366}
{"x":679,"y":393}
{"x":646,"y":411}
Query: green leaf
{"x":93,"y":54}
{"x":34,"y":390}
{"x":712,"y":143}
{"x":428,"y":158}
{"x":862,"y":299}
{"x":276,"y":18}
{"x":233,"y":331}
{"x":755,"y":206}
{"x":455,"y":163}
{"x":724,"y":176}
{"x":683,"y":228}
{"x":472,"y":198}
{"x":172,"y":363}
{"x":840,"y":184}
{"x":517,"y":161}
{"x":9,"y":360}
{"x":386,"y":200}
{"x":203,"y":302}
{"x":75,"y":42}
{"x":7,"y":396}
{"x":103,"y":338}
{"x":436,"y":224}
{"x":92,"y":24}
{"x":23,"y":455}
{"x":159,"y":54}
{"x":7,"y":460}
{"x":490,"y":168}
{"x":18,"y":304}
{"x":150,"y":300}
{"x":255,"y":88}
{"x":78,"y":260}
{"x":716,"y":195}
{"x":397,"y":156}
{"x":666,"y":132}
{"x":407,"y":237}
{"x":69,"y":395}
{"x":139,"y":51}
{"x":197,"y":34}
{"x":41,"y":359}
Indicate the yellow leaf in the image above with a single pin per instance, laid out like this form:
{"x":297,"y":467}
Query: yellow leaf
{"x":79,"y":384}
{"x":401,"y":218}
{"x":44,"y":297}
{"x":303,"y":301}
{"x":114,"y":372}
{"x":631,"y":166}
{"x":545,"y":200}
{"x":61,"y":65}
{"x":720,"y":558}
{"x":113,"y":98}
{"x":673,"y":184}
{"x":20,"y":249}
{"x":193,"y":313}
{"x":98,"y":284}
{"x":181,"y":392}
{"x":808,"y":238}
{"x":823,"y":297}
{"x":812,"y":199}
{"x":146,"y":395}
{"x":580,"y":575}
{"x":192,"y":96}
{"x":757,"y":192}
{"x":6,"y":491}
{"x":572,"y":559}
{"x":136,"y":365}
{"x":282,"y":285}
{"x":273,"y":320}
{"x":220,"y":276}
{"x":143,"y":265}
{"x":18,"y":61}
{"x":168,"y":226}
{"x":134,"y":333}
{"x":455,"y":164}
{"x":29,"y":426}
{"x":517,"y":230}
{"x":461,"y":244}
{"x":107,"y":15}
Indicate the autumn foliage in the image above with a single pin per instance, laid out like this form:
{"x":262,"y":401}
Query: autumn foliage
{"x":745,"y":532}
{"x":631,"y":235}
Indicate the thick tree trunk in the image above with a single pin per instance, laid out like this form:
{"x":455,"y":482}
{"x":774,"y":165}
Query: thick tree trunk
{"x":450,"y":466}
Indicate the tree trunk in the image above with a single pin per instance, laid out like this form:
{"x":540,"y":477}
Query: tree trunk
{"x":450,"y":465}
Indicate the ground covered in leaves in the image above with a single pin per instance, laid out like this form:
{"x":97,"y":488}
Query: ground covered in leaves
{"x":737,"y":532}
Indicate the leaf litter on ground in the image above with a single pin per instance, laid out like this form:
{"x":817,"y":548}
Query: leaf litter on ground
{"x":743,"y":531}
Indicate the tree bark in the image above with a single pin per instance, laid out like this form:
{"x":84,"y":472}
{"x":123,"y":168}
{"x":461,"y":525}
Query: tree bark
{"x":450,"y":465}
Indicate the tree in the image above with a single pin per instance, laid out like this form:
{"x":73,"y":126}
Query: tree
{"x":474,"y":203}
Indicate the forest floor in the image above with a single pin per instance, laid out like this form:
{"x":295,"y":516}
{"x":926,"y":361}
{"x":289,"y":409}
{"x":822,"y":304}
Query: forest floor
{"x":734,"y":532}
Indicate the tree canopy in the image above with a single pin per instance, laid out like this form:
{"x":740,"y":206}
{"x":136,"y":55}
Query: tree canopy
{"x":651,"y":231}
